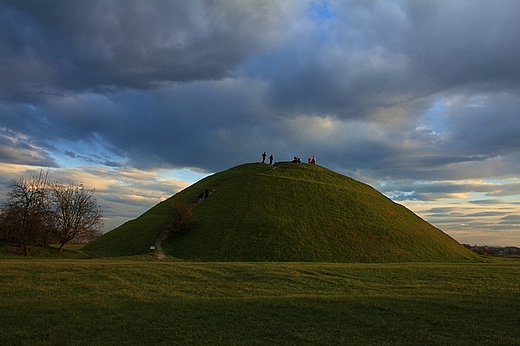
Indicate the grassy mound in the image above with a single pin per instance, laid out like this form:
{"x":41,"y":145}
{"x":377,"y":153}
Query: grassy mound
{"x":287,"y":212}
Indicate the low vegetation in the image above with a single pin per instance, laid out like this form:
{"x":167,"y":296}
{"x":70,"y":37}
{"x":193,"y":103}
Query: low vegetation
{"x":129,"y":302}
{"x":9,"y":251}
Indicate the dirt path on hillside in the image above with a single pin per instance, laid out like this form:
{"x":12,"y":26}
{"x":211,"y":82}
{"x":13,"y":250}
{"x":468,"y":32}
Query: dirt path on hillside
{"x":159,"y":252}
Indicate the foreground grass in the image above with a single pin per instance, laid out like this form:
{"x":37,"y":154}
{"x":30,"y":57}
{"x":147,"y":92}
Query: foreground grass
{"x":47,"y":251}
{"x":115,"y":302}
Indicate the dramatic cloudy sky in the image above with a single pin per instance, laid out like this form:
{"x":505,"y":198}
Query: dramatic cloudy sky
{"x":138,"y":99}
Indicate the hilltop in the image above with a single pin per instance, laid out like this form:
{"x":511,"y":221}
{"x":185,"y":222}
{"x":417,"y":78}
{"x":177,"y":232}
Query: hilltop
{"x":286,"y":212}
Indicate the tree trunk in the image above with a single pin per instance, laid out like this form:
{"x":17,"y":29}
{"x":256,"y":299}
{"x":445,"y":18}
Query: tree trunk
{"x":25,"y":249}
{"x":60,"y":250}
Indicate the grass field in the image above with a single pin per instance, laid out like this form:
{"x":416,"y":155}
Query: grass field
{"x":48,"y":301}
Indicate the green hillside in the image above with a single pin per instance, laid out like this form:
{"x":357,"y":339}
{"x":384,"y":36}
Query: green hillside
{"x":287,"y":212}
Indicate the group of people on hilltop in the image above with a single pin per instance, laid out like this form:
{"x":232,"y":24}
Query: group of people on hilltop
{"x":296,"y":159}
{"x":270,"y":158}
{"x":310,"y":161}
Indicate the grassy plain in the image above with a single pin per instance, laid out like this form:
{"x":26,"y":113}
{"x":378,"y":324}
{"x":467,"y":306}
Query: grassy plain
{"x":140,"y":301}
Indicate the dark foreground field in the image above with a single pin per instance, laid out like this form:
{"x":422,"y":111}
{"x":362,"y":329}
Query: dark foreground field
{"x":117,"y":302}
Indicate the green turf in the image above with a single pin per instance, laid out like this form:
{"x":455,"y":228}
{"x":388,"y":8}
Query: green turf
{"x":70,"y":251}
{"x":116,"y":302}
{"x":287,"y":212}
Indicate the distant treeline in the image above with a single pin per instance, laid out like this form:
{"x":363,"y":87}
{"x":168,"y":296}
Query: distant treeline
{"x":494,"y":250}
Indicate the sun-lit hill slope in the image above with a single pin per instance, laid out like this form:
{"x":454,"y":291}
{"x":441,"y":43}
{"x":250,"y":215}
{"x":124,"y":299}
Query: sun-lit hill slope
{"x":287,"y":212}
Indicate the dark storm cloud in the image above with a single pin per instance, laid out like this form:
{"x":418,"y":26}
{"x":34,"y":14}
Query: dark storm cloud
{"x":431,"y":191}
{"x":18,"y":149}
{"x":55,"y":47}
{"x":487,"y":213}
{"x":511,"y":220}
{"x":490,"y":202}
{"x":461,"y":42}
{"x":195,"y":125}
{"x":443,"y":211}
{"x":378,"y":54}
{"x":487,"y":124}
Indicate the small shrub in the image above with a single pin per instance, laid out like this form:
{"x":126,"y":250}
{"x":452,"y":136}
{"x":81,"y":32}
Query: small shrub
{"x":182,"y":217}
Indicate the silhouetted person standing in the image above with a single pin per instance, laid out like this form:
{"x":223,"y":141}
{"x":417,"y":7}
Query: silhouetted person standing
{"x":271,"y":159}
{"x":263,"y":157}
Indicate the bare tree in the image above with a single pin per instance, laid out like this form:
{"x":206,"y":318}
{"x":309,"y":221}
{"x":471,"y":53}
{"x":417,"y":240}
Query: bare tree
{"x":24,"y":211}
{"x":74,"y":213}
{"x":5,"y":229}
{"x":182,"y":217}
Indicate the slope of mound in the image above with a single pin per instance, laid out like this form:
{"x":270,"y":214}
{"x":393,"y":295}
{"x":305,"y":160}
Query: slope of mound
{"x":287,"y":212}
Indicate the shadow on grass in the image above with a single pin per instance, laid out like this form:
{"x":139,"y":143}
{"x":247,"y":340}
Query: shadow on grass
{"x":286,"y":321}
